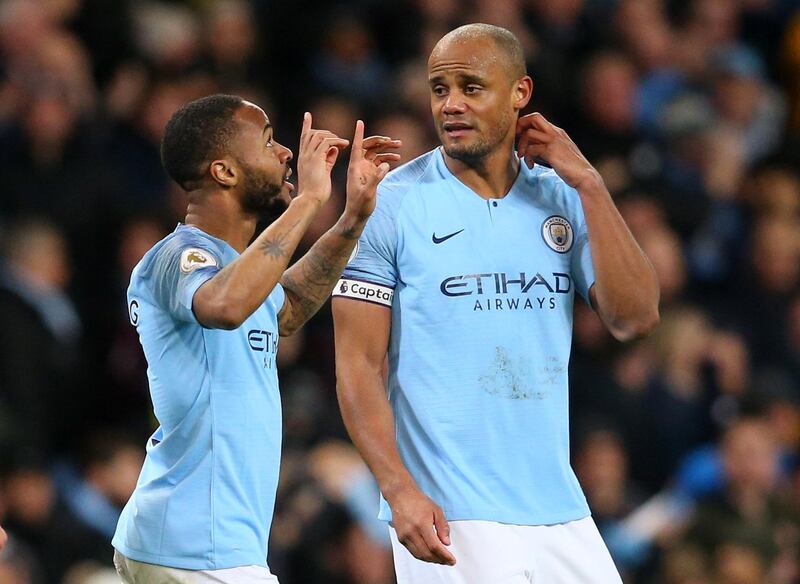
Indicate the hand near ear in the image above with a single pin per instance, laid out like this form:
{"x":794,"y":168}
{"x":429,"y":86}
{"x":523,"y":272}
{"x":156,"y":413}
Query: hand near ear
{"x":538,"y":138}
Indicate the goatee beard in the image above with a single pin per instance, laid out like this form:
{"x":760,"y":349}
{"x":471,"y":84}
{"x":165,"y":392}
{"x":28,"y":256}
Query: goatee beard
{"x":261,"y":197}
{"x":470,"y":156}
{"x":474,"y":154}
{"x":269,"y":213}
{"x":274,"y":208}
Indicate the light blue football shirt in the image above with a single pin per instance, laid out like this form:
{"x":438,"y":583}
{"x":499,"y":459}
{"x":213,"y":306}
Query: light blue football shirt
{"x":481,"y":293}
{"x":206,"y":492}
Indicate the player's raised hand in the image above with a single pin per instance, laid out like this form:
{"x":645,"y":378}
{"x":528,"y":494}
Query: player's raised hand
{"x":422,"y":527}
{"x":538,"y":138}
{"x":369,"y":163}
{"x":318,"y":152}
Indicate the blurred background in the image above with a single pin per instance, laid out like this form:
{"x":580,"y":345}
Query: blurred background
{"x":686,"y":443}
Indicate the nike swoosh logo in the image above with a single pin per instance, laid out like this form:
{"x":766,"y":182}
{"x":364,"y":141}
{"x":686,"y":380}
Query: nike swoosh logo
{"x":446,"y":237}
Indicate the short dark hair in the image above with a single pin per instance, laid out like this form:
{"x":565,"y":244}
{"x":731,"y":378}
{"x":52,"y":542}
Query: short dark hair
{"x":504,"y":39}
{"x":197,"y":133}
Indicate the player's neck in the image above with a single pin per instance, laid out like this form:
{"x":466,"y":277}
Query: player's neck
{"x":222,"y":217}
{"x":490,"y":177}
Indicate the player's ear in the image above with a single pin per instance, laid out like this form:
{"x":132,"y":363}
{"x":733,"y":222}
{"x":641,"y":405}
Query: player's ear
{"x":224,"y":172}
{"x":523,"y":90}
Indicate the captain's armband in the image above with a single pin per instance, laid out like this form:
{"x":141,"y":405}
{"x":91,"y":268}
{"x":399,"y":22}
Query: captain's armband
{"x":366,"y":291}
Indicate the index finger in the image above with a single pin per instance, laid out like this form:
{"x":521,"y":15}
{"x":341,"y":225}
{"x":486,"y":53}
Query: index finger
{"x":534,"y":120}
{"x":357,"y":152}
{"x":306,"y":127}
{"x":437,"y":548}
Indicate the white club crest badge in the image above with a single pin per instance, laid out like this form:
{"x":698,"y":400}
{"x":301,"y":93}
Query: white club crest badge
{"x":557,"y":234}
{"x":194,"y":258}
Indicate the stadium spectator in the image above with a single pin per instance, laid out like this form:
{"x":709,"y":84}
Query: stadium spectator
{"x":40,"y":340}
{"x":752,"y":514}
{"x":348,"y":64}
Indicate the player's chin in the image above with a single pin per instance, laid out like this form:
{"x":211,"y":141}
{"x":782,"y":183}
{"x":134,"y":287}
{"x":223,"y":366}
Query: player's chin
{"x":458,"y":142}
{"x":459,"y":151}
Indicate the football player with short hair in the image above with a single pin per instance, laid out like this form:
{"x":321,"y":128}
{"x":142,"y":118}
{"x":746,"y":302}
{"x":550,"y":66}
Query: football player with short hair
{"x":465,"y":275}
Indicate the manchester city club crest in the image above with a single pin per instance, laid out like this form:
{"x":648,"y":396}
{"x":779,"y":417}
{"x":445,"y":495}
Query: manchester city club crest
{"x":557,"y":234}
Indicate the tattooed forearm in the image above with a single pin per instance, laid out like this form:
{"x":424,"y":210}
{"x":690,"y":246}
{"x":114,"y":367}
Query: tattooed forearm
{"x":274,"y":248}
{"x":349,"y":232}
{"x":309,"y":282}
{"x":311,"y":279}
{"x":277,"y":247}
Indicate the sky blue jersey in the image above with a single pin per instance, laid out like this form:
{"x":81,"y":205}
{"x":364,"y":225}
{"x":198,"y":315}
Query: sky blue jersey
{"x":481,"y":294}
{"x":206,"y":492}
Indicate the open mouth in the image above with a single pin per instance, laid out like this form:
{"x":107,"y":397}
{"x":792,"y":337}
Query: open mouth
{"x":456,"y":129}
{"x":286,"y":182}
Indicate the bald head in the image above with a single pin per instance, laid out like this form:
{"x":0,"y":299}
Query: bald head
{"x":478,"y":84}
{"x":509,"y":49}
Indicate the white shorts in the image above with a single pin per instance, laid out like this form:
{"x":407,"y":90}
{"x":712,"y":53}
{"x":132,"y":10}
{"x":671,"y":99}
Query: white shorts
{"x":133,"y":572}
{"x":496,"y":553}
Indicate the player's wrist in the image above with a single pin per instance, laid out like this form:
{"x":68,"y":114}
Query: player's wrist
{"x":398,"y":488}
{"x":591,"y":183}
{"x":311,"y":199}
{"x":350,"y":225}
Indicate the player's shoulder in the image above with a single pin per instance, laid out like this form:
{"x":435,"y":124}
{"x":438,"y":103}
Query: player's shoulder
{"x":548,"y":180}
{"x":188,"y":236}
{"x":410,"y":185}
{"x":187,"y":246}
{"x":553,"y":191}
{"x":409,"y":174}
{"x":407,"y":178}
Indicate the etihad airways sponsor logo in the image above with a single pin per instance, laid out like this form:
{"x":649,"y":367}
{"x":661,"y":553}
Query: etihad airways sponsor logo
{"x":498,"y":283}
{"x":266,"y":342}
{"x":502,"y":291}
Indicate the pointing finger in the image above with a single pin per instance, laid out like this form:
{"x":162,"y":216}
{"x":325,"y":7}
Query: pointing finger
{"x":357,"y":152}
{"x":306,"y":128}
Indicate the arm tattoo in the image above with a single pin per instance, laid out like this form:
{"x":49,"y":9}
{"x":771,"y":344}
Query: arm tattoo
{"x":276,"y":247}
{"x":309,"y":282}
{"x":349,"y":233}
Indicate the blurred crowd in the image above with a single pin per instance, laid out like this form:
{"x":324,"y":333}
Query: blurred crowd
{"x":686,"y":442}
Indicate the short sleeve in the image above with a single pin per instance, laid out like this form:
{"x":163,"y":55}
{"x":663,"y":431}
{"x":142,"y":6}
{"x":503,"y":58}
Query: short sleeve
{"x":374,"y":258}
{"x":180,"y":268}
{"x":277,"y":297}
{"x":371,"y":273}
{"x":582,"y":267}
